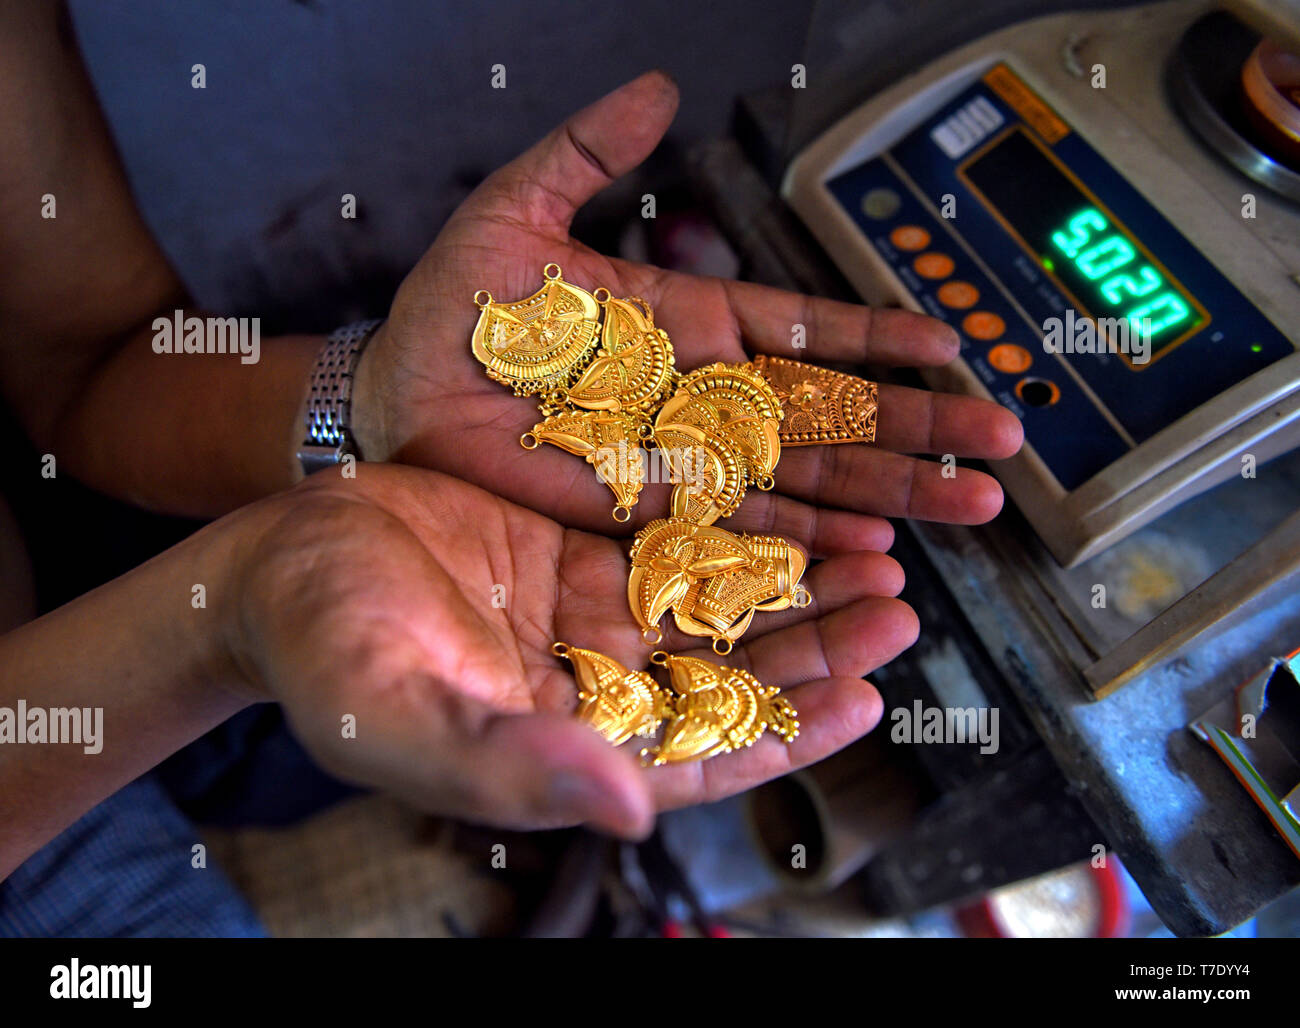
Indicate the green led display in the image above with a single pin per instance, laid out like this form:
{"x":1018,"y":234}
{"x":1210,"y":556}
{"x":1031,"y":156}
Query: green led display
{"x":1121,"y":283}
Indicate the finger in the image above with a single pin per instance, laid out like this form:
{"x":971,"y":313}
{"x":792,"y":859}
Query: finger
{"x":851,"y":641}
{"x":556,"y":176}
{"x":446,"y":752}
{"x":921,"y":421}
{"x":837,"y":331}
{"x":550,"y":770}
{"x":822,"y":532}
{"x":862,"y":478}
{"x":832,"y":712}
{"x":837,"y":583}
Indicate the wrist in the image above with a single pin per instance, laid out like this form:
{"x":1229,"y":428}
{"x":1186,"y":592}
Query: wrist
{"x":369,"y":422}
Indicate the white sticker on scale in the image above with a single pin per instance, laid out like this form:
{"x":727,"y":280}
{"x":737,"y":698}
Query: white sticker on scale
{"x":961,"y":131}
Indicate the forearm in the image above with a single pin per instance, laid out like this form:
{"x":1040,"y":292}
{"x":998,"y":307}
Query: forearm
{"x":82,"y":280}
{"x":138,"y":650}
{"x":193,"y":434}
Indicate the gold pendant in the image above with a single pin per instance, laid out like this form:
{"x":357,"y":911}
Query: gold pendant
{"x":821,"y":406}
{"x":535,"y":345}
{"x":712,"y":580}
{"x":618,"y":703}
{"x":729,"y":417}
{"x":609,"y":441}
{"x":718,"y":709}
{"x":634,"y":367}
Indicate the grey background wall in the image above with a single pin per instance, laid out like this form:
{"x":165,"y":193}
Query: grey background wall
{"x":391,"y":100}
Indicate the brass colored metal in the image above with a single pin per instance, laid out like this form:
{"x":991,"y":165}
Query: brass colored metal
{"x":712,"y":580}
{"x":618,"y":703}
{"x":718,"y":709}
{"x":731,"y":415}
{"x":609,"y":441}
{"x":535,"y":345}
{"x":633,"y":369}
{"x":821,"y":406}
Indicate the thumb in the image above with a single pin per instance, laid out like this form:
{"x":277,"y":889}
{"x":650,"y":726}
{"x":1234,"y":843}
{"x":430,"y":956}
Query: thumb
{"x":449,"y":753}
{"x":549,"y":182}
{"x":551,"y":770}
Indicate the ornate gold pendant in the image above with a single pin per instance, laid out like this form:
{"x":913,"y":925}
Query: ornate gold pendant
{"x":821,"y":406}
{"x":718,"y":709}
{"x":618,"y":703}
{"x":608,"y":440}
{"x":729,"y":417}
{"x":709,"y":709}
{"x":633,"y":368}
{"x":711,"y":579}
{"x":535,"y":345}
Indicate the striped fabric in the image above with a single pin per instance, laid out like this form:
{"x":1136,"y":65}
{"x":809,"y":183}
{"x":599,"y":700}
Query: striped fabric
{"x":124,"y":870}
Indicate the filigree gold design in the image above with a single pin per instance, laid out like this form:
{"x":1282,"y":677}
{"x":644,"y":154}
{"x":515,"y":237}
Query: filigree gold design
{"x":609,"y":441}
{"x":618,"y":703}
{"x":668,"y":556}
{"x":821,"y":406}
{"x":535,"y":345}
{"x":633,"y":368}
{"x":718,"y":709}
{"x":712,"y":580}
{"x":729,"y":413}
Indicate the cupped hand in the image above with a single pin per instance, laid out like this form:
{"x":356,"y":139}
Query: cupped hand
{"x":404,"y":620}
{"x":423,"y":399}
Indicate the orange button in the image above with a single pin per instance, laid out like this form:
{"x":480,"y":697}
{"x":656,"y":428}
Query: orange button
{"x":1010,"y":358}
{"x":983,"y":325}
{"x":1038,"y":392}
{"x":934,"y":265}
{"x":958,"y":294}
{"x":910,"y":237}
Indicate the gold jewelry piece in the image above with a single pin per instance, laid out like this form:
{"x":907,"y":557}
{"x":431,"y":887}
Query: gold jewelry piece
{"x":718,"y":709}
{"x":729,"y":417}
{"x":618,"y":703}
{"x":596,"y":405}
{"x":608,"y":440}
{"x":821,"y":406}
{"x":710,"y":710}
{"x":633,"y":369}
{"x":535,"y":345}
{"x":711,"y":579}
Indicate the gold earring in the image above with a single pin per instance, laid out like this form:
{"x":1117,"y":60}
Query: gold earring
{"x":535,"y":345}
{"x":821,"y":406}
{"x":718,"y":709}
{"x":618,"y":703}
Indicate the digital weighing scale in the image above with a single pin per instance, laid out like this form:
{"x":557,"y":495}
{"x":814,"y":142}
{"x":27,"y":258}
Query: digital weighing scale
{"x":1002,"y":189}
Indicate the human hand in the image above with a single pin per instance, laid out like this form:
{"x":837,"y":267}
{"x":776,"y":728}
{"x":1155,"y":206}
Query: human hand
{"x":373,"y":597}
{"x":423,"y":399}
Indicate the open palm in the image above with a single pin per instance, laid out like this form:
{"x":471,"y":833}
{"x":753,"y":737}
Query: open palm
{"x":424,"y":609}
{"x":439,"y":409}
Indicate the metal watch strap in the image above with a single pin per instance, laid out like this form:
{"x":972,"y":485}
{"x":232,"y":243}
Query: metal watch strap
{"x":329,"y":401}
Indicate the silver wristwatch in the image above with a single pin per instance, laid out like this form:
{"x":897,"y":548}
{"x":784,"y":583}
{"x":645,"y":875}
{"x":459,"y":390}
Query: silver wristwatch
{"x":329,"y":403}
